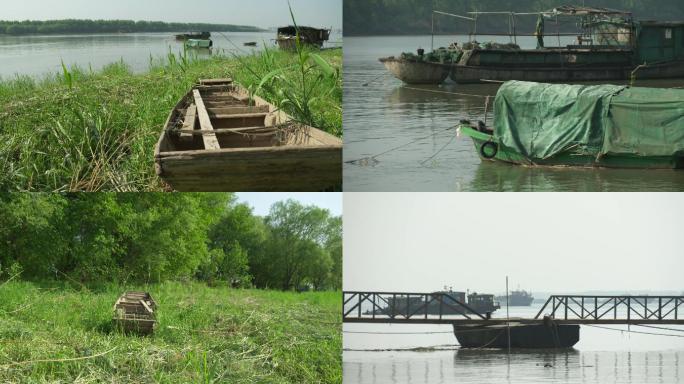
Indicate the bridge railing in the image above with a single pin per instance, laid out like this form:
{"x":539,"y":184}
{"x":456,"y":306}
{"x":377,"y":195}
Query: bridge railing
{"x":617,"y":308}
{"x":405,"y":306}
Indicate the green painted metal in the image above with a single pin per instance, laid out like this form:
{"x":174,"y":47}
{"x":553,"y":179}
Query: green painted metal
{"x":658,"y":42}
{"x":198,"y":43}
{"x":568,"y":158}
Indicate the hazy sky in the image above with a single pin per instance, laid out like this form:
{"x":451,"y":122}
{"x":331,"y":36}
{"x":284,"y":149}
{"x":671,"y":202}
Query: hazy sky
{"x":262,"y":201}
{"x":545,"y":242}
{"x":262,"y":13}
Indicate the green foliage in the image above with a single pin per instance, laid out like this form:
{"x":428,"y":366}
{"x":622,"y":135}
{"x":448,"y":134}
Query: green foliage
{"x":204,"y":334}
{"x":406,"y":17}
{"x":97,"y":131}
{"x":50,"y":27}
{"x":90,"y":238}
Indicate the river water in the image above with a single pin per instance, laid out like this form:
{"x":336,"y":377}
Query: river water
{"x":386,"y":114}
{"x":601,"y":356}
{"x":38,"y":55}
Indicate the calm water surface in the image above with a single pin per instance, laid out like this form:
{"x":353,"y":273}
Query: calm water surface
{"x":387,"y":114}
{"x":601,"y":356}
{"x":37,"y":55}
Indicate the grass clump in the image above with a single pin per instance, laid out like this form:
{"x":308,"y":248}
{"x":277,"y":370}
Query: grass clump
{"x":79,"y":130}
{"x":58,"y":334}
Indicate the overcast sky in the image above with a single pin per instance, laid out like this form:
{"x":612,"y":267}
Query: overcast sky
{"x":262,"y":202}
{"x":559,"y":243}
{"x":261,"y":13}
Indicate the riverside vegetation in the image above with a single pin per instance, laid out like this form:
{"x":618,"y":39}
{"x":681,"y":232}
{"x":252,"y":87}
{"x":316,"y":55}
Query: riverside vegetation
{"x":226,"y":282}
{"x":64,"y":333}
{"x":82,"y":130}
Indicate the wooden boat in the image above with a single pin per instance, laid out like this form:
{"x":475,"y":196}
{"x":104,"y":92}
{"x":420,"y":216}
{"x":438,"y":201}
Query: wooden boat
{"x":315,"y":37}
{"x":136,"y":312}
{"x":415,"y":71}
{"x":583,"y":126}
{"x":200,"y":44}
{"x":196,"y":35}
{"x":251,"y":44}
{"x":218,"y":139}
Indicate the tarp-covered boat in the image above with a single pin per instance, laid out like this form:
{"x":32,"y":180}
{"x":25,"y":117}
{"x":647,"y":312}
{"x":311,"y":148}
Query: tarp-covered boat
{"x":583,"y":125}
{"x":219,"y":139}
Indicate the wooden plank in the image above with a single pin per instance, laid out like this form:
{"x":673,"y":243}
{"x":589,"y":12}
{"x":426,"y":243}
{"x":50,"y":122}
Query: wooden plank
{"x":209,"y":137}
{"x":147,"y":307}
{"x":189,"y":122}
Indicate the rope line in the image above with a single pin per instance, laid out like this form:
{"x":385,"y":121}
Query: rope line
{"x":630,"y":331}
{"x":397,"y":148}
{"x":398,"y":333}
{"x":449,"y":93}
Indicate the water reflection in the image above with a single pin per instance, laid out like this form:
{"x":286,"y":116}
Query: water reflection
{"x":489,"y":366}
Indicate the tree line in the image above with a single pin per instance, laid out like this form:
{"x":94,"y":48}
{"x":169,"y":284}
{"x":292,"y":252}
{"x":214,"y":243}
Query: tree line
{"x":405,"y":17}
{"x":154,"y":237}
{"x":50,"y":27}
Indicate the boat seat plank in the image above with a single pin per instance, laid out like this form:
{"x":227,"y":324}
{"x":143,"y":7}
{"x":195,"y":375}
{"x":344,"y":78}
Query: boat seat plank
{"x":241,"y":115}
{"x":189,"y":122}
{"x":209,"y":137}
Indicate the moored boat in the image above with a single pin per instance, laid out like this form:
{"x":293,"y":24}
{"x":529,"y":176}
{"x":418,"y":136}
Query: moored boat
{"x":199,"y":43}
{"x":194,"y":35}
{"x":314,"y":37}
{"x":583,"y":125}
{"x":526,"y":336}
{"x":219,"y":139}
{"x":609,"y":45}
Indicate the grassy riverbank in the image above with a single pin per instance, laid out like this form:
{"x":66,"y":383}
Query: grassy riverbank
{"x":204,"y":335}
{"x":95,"y":131}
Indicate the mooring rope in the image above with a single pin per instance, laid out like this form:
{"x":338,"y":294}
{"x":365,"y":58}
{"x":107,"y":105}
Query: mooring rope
{"x":664,"y":328}
{"x":450,"y":93}
{"x":57,"y":360}
{"x":397,"y":333}
{"x":630,"y":331}
{"x":374,"y":157}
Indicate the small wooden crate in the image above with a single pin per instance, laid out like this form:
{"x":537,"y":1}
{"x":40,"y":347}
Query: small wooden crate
{"x":136,"y":312}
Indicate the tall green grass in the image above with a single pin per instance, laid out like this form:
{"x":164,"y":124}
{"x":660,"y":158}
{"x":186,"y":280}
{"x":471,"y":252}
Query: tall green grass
{"x":204,"y":335}
{"x":80,"y":130}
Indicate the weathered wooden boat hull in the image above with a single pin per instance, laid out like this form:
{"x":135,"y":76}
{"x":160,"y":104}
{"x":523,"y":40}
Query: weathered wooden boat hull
{"x":310,"y":159}
{"x":527,"y":336}
{"x":135,"y":312}
{"x":569,"y":159}
{"x":417,"y":72}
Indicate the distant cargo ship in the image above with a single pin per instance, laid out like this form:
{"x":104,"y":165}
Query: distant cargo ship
{"x":518,"y":298}
{"x":480,"y":303}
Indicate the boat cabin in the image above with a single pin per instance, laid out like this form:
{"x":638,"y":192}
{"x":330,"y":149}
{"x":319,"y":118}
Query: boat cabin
{"x":659,"y":41}
{"x":287,"y":36}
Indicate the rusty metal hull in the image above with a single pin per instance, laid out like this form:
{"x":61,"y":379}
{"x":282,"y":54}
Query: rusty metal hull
{"x":525,"y":336}
{"x":467,"y":74}
{"x":417,"y":72}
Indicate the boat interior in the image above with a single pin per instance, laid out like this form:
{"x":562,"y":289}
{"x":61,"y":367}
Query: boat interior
{"x":215,"y":116}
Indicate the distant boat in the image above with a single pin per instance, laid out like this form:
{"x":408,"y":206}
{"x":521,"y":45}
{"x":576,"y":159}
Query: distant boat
{"x":287,"y":37}
{"x":193,"y":35}
{"x":480,"y":303}
{"x":251,"y":44}
{"x":197,"y":43}
{"x":518,"y":298}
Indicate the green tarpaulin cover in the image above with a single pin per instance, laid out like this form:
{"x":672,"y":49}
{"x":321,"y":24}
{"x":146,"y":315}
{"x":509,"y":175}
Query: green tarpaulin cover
{"x":542,"y":120}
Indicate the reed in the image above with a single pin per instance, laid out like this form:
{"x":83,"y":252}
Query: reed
{"x":81,"y":130}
